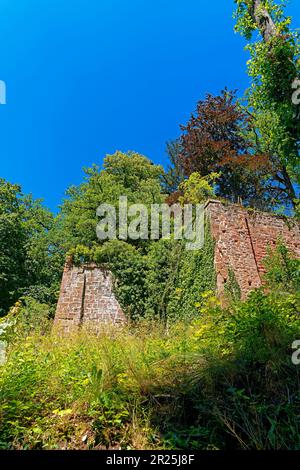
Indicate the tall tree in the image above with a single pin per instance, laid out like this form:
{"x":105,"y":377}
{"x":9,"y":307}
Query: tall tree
{"x":29,"y":262}
{"x":273,"y":67}
{"x":215,"y":140}
{"x":123,"y":174}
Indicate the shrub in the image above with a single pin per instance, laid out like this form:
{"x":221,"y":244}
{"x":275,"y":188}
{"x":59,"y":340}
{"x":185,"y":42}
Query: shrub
{"x":283,"y":270}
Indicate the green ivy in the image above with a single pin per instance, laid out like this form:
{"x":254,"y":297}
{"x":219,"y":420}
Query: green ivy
{"x":232,"y":288}
{"x":162,"y":281}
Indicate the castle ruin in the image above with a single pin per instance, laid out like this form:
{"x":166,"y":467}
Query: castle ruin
{"x":242,"y":238}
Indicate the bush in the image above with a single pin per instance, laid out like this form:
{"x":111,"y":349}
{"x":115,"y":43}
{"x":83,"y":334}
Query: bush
{"x":283,"y":270}
{"x":27,"y":316}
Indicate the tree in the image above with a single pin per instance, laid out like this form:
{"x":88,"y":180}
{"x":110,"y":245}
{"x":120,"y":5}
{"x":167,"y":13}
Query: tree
{"x":215,"y":140}
{"x":273,"y":67}
{"x":197,"y":189}
{"x":123,"y":174}
{"x":175,"y":172}
{"x":29,"y":263}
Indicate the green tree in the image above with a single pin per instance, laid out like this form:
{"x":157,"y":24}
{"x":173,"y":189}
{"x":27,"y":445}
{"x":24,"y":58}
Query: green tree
{"x":123,"y":174}
{"x":30,"y":264}
{"x":197,"y":189}
{"x":273,"y":68}
{"x":175,"y":172}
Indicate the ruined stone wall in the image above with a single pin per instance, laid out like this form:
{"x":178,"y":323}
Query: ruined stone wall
{"x":86,"y":299}
{"x":242,"y":237}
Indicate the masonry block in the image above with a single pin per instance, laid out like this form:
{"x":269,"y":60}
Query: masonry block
{"x":86,"y":299}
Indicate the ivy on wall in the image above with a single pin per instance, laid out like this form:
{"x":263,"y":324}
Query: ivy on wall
{"x":196,"y":276}
{"x":162,"y":280}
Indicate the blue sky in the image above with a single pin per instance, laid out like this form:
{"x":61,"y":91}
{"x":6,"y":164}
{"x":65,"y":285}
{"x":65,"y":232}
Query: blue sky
{"x":88,"y":77}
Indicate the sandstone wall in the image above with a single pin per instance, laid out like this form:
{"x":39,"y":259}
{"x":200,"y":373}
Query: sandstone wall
{"x":242,"y":238}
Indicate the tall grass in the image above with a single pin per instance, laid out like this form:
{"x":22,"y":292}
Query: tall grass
{"x":223,"y":381}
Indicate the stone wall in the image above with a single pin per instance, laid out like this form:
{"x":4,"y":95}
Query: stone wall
{"x":242,"y":237}
{"x":86,"y":298}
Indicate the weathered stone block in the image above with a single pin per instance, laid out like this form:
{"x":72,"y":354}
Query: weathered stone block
{"x":86,"y":297}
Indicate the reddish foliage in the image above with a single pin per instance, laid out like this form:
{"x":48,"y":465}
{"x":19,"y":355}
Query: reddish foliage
{"x":214,"y":140}
{"x":212,"y":137}
{"x":173,"y":198}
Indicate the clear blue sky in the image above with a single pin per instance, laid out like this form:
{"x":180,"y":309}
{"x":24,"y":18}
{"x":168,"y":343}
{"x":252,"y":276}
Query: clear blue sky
{"x":88,"y":77}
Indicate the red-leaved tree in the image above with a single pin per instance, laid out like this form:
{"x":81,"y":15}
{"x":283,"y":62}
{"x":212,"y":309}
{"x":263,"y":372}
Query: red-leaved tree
{"x":215,"y":140}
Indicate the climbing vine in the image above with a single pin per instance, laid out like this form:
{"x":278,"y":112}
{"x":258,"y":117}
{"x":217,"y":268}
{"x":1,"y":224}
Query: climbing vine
{"x":164,"y":281}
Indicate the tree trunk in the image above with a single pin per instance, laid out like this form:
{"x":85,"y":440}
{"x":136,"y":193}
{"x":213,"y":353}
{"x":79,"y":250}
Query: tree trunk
{"x":268,"y":30}
{"x":289,"y":186}
{"x":263,"y":20}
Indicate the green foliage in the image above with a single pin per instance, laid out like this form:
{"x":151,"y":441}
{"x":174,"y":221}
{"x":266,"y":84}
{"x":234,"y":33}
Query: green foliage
{"x":164,"y":260}
{"x":297,"y":209}
{"x":123,"y":174}
{"x":26,"y":317}
{"x":197,"y":189}
{"x":222,"y":381}
{"x":273,"y":67}
{"x":165,"y":282}
{"x":232,"y":288}
{"x":196,"y":275}
{"x":185,"y":372}
{"x":174,"y":175}
{"x":245,"y":23}
{"x":271,"y":317}
{"x":283,"y":270}
{"x":130,"y":269}
{"x":162,"y":281}
{"x":215,"y":142}
{"x":29,"y":261}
